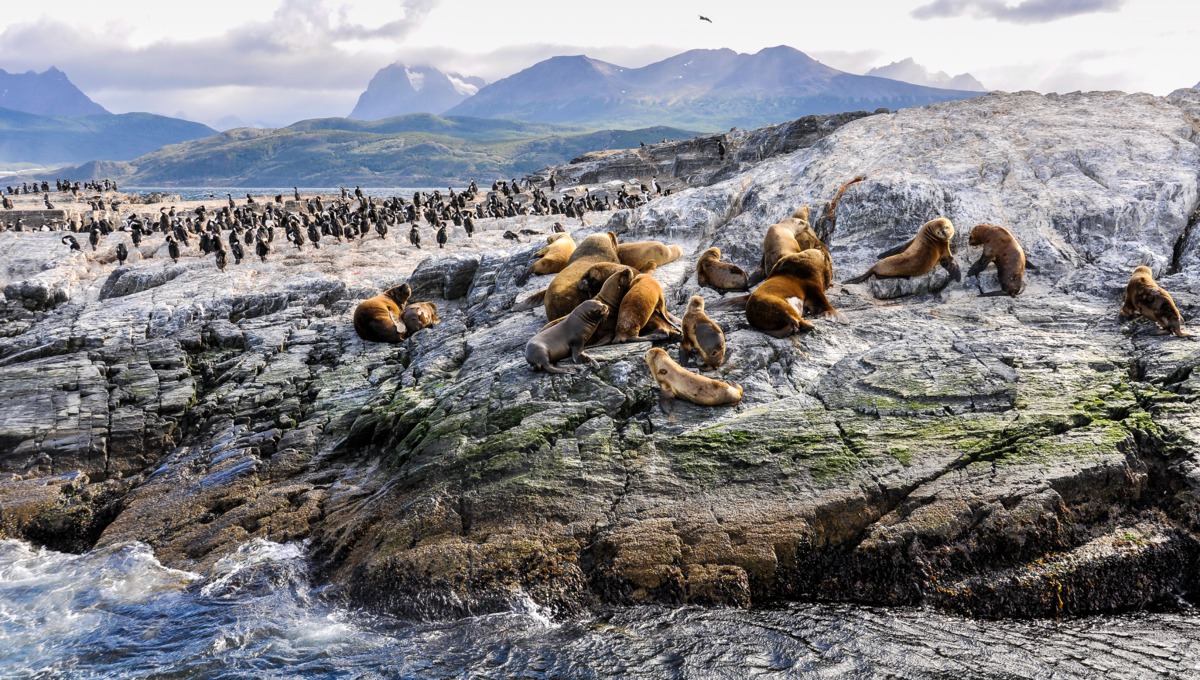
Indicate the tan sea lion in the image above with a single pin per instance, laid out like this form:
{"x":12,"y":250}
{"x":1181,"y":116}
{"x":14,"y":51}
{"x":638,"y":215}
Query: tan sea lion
{"x":800,"y":277}
{"x":675,"y":381}
{"x":377,"y":319}
{"x":1001,"y":247}
{"x":930,"y":247}
{"x":419,"y":315}
{"x":711,"y":272}
{"x":701,"y":335}
{"x":566,"y":338}
{"x":1144,"y":297}
{"x":643,"y":313}
{"x":791,"y":236}
{"x":611,"y":292}
{"x":552,"y":258}
{"x":646,"y":256}
{"x":563,"y":294}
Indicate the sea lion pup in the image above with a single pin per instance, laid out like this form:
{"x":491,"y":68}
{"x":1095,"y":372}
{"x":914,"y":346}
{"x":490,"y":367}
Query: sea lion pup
{"x":568,"y":337}
{"x":646,"y":256}
{"x":563,"y":295}
{"x":643,"y":314}
{"x":1144,"y":297}
{"x":377,"y":319}
{"x":1001,"y":247}
{"x":801,"y":276}
{"x":419,"y":315}
{"x":552,"y":258}
{"x":676,"y":381}
{"x":711,"y":272}
{"x":701,"y":335}
{"x":931,"y":246}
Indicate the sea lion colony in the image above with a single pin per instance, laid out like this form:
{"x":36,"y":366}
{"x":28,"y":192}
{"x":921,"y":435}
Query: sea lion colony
{"x":604,"y":291}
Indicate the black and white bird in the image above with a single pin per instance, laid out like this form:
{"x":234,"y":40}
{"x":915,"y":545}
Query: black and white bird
{"x":414,"y":236}
{"x":441,"y":236}
{"x":122,"y":253}
{"x":173,"y":248}
{"x":262,"y":249}
{"x":70,"y":240}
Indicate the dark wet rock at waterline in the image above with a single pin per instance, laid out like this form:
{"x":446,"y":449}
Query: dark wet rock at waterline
{"x":997,"y":456}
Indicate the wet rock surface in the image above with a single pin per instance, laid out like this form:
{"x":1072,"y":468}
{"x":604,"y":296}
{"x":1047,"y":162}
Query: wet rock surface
{"x":998,"y":456}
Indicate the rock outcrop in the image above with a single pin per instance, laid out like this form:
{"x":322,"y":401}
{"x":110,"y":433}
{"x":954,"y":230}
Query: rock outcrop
{"x":995,"y":456}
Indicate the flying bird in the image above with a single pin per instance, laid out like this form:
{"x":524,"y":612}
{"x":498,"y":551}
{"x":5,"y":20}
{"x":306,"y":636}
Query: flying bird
{"x":704,"y":18}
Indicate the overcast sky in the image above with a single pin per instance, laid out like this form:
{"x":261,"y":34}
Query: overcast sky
{"x":273,"y":62}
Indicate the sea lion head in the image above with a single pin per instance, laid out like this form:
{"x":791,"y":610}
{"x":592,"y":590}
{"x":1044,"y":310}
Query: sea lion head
{"x":713,"y":253}
{"x":399,"y":294}
{"x":655,"y":356}
{"x":801,"y":214}
{"x":939,"y":229}
{"x":696,"y":304}
{"x":593,"y":311}
{"x":1143,"y":272}
{"x":979,"y":234}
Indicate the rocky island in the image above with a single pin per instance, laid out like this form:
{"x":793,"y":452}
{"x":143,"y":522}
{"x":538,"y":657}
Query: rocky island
{"x":992,"y":456}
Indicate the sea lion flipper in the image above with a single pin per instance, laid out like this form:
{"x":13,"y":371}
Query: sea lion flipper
{"x":530,"y":302}
{"x":730,"y":303}
{"x":897,"y":250}
{"x":949,"y":264}
{"x":860,"y":279}
{"x":666,"y":402}
{"x":980,"y":264}
{"x":756,"y":277}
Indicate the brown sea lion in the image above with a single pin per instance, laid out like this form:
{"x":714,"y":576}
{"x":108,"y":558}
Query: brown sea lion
{"x":566,"y":338}
{"x":612,"y":290}
{"x":676,"y":381}
{"x":930,"y":247}
{"x":646,"y":256}
{"x":801,"y":277}
{"x":711,"y":272}
{"x":552,"y":258}
{"x":1001,"y":247}
{"x":1144,"y":297}
{"x":563,"y":294}
{"x":595,"y":277}
{"x":419,"y":315}
{"x":701,"y":335}
{"x":791,"y":236}
{"x":377,"y":319}
{"x":643,"y":313}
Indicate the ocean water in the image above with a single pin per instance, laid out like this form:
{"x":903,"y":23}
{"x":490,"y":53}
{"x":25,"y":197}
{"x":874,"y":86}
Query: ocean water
{"x":118,"y":613}
{"x":239,"y":193}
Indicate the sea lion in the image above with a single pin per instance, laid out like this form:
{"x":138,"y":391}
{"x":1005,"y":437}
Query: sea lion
{"x":931,"y":246}
{"x":552,"y":258}
{"x":799,"y":276}
{"x":563,"y":295}
{"x":1001,"y":247}
{"x":646,"y":256}
{"x":676,"y":381}
{"x":643,"y":313}
{"x":566,"y":338}
{"x":711,"y":272}
{"x":701,"y":335}
{"x":791,"y":236}
{"x":419,"y":315}
{"x":377,"y":319}
{"x":1144,"y":297}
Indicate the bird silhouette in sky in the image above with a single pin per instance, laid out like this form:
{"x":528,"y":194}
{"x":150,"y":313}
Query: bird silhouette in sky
{"x":704,"y":18}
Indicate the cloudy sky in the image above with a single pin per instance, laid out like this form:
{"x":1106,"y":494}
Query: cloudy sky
{"x":273,"y":62}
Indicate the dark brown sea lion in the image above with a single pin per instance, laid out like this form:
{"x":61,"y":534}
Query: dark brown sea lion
{"x":800,"y":277}
{"x":1144,"y":297}
{"x":701,"y":335}
{"x":646,"y":256}
{"x":711,"y":272}
{"x":419,"y":315}
{"x":791,"y":236}
{"x":611,"y":291}
{"x":675,"y":381}
{"x":930,"y":247}
{"x":567,"y":338}
{"x":1001,"y":247}
{"x":377,"y":319}
{"x":643,"y":313}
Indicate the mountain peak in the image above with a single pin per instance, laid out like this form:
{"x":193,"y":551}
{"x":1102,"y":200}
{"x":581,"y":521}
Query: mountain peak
{"x":49,"y":93}
{"x":398,"y":89}
{"x":909,"y":71}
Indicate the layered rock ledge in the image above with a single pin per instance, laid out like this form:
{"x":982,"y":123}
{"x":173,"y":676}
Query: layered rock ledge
{"x":995,"y":456}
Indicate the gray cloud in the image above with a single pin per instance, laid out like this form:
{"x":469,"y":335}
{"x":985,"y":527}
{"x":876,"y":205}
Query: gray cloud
{"x":1027,"y":12}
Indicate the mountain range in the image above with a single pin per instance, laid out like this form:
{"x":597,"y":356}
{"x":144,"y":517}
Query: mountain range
{"x":397,"y":90}
{"x":910,"y":71}
{"x":49,"y":93}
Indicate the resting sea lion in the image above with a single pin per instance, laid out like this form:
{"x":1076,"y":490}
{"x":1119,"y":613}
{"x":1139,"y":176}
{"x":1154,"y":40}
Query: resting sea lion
{"x":552,"y":258}
{"x":1001,"y":247}
{"x":791,"y":236}
{"x":711,"y":272}
{"x":377,"y":319}
{"x":612,"y":290}
{"x":566,"y":338}
{"x":563,"y":295}
{"x":676,"y":381}
{"x":930,"y":247}
{"x":646,"y":256}
{"x":701,"y":335}
{"x":419,"y":315}
{"x":802,"y":277}
{"x":643,"y":313}
{"x":1144,"y":297}
{"x":598,"y":274}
